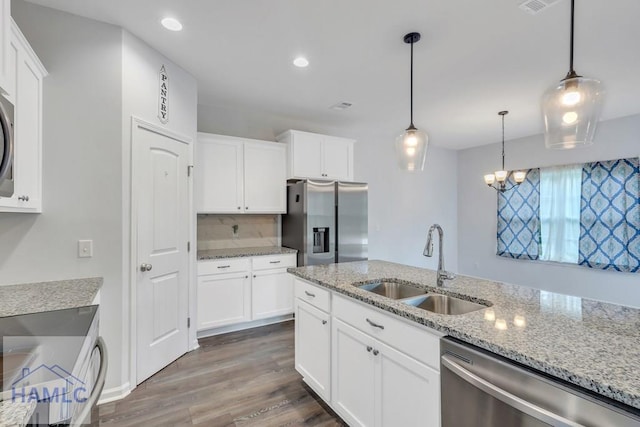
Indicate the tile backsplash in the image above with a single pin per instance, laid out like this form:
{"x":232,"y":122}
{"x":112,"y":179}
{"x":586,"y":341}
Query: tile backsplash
{"x":237,"y":231}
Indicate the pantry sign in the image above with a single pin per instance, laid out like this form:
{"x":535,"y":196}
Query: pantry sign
{"x":163,"y":96}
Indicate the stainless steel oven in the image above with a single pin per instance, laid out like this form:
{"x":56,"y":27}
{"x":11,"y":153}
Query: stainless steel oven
{"x":6,"y":147}
{"x":481,"y":389}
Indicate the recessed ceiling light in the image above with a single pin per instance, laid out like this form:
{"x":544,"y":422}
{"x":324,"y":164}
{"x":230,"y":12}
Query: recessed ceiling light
{"x":301,"y":62}
{"x":171,"y":24}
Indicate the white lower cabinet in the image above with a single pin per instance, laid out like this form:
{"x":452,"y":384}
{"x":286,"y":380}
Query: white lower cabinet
{"x":223,"y":299}
{"x":384,"y":370}
{"x":313,"y":347}
{"x":233,"y":291}
{"x":353,"y":375}
{"x":271,"y":294}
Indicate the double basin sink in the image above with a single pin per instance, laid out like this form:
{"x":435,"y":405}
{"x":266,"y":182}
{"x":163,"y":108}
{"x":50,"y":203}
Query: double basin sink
{"x":421,"y":298}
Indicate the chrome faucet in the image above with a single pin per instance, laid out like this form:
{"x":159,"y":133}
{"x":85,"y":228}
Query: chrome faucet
{"x":428,"y":251}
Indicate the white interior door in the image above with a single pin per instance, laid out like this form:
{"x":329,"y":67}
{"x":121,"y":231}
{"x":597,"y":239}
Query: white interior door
{"x":161,"y":201}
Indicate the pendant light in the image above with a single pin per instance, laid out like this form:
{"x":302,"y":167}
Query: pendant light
{"x":411,"y":145}
{"x":498,"y":179}
{"x":572,"y":108}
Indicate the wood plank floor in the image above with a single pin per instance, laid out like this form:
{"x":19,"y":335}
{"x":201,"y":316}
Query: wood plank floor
{"x":244,"y":378}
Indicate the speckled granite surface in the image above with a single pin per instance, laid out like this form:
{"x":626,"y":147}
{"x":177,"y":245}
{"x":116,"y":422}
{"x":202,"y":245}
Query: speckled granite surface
{"x":591,"y":344}
{"x":47,"y":296}
{"x":244,"y":252}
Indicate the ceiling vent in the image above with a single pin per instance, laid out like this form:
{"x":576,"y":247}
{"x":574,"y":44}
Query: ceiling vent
{"x":341,"y":106}
{"x":533,"y":7}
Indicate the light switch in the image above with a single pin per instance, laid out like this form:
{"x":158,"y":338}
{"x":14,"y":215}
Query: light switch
{"x":85,"y":248}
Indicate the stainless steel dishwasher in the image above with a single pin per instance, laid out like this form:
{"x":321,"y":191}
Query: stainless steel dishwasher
{"x":481,"y":389}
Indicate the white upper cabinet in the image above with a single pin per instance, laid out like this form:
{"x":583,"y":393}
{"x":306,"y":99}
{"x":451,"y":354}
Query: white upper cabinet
{"x":311,"y":155}
{"x":237,"y":175}
{"x":5,"y":35}
{"x":265,"y":177}
{"x":26,"y":74}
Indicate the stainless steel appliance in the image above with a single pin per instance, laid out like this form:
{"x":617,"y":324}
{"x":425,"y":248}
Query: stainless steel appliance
{"x":326,"y":221}
{"x":481,"y":389}
{"x":6,"y":148}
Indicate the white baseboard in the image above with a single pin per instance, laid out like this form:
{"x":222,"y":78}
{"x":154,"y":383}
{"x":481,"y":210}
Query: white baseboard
{"x":115,"y":393}
{"x":242,"y":326}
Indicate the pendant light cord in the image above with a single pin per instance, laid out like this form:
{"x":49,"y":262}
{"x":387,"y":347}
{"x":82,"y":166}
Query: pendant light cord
{"x":503,"y":142}
{"x":571,"y":70}
{"x":411,"y":86}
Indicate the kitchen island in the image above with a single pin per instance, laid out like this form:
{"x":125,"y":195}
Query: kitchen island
{"x":591,"y":344}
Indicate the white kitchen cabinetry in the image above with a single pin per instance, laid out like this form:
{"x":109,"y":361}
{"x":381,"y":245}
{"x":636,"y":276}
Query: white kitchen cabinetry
{"x":384,"y":370}
{"x":5,"y":31}
{"x":401,"y":362}
{"x":312,"y":155}
{"x":238,"y":175}
{"x":313,"y":338}
{"x":224,"y":293}
{"x":271,"y":286}
{"x":25,"y":80}
{"x":233,"y":291}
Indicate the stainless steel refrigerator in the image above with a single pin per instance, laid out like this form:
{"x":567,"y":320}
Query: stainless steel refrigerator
{"x":326,"y":221}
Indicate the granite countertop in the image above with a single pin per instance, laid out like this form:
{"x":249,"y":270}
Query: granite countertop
{"x":47,"y":296}
{"x":243,"y":252}
{"x":592,"y":344}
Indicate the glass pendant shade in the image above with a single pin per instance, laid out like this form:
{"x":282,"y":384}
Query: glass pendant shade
{"x":411,"y":149}
{"x":571,"y":112}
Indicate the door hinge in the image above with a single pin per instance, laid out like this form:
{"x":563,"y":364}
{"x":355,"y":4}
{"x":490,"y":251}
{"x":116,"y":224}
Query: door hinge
{"x":188,"y":322}
{"x":188,"y":246}
{"x":189,"y":170}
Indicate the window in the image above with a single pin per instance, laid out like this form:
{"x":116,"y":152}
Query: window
{"x":581,"y":214}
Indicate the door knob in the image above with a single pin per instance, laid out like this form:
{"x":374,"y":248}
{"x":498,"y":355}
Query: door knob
{"x":145,"y":267}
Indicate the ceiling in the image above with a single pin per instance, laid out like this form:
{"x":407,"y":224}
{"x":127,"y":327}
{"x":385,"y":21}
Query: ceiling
{"x":475,"y":58}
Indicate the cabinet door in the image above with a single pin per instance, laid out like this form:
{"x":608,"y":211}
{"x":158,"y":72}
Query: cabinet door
{"x":313,"y":347}
{"x":27,"y":74}
{"x":407,"y":391}
{"x":306,"y":153}
{"x":219,"y":175}
{"x":271,"y":293}
{"x":223,"y":299}
{"x":337,"y":158}
{"x":265,"y":180}
{"x":352,"y":375}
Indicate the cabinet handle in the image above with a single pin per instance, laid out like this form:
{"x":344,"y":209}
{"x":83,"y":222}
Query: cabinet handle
{"x":224,"y":266}
{"x":369,"y":348}
{"x":23,"y":198}
{"x":274,"y":262}
{"x":309,"y":294}
{"x":375,"y":352}
{"x":246,"y":277}
{"x":238,"y":207}
{"x":374,"y":324}
{"x":324,"y":322}
{"x":254,"y":276}
{"x":246,"y":208}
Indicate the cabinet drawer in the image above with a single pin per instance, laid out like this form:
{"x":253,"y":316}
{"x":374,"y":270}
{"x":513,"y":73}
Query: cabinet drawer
{"x":274,"y":261}
{"x":225,"y":265}
{"x":314,"y":295}
{"x":414,"y":341}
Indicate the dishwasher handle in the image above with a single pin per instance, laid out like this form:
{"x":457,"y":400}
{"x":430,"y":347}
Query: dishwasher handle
{"x":506,"y":397}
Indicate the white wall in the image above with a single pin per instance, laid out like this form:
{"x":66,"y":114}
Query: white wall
{"x":82,"y":167}
{"x":402,"y":205}
{"x":477,"y":215}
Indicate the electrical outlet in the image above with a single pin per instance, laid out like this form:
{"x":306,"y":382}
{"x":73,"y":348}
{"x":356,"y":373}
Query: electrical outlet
{"x":85,"y":248}
{"x":235,"y":230}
